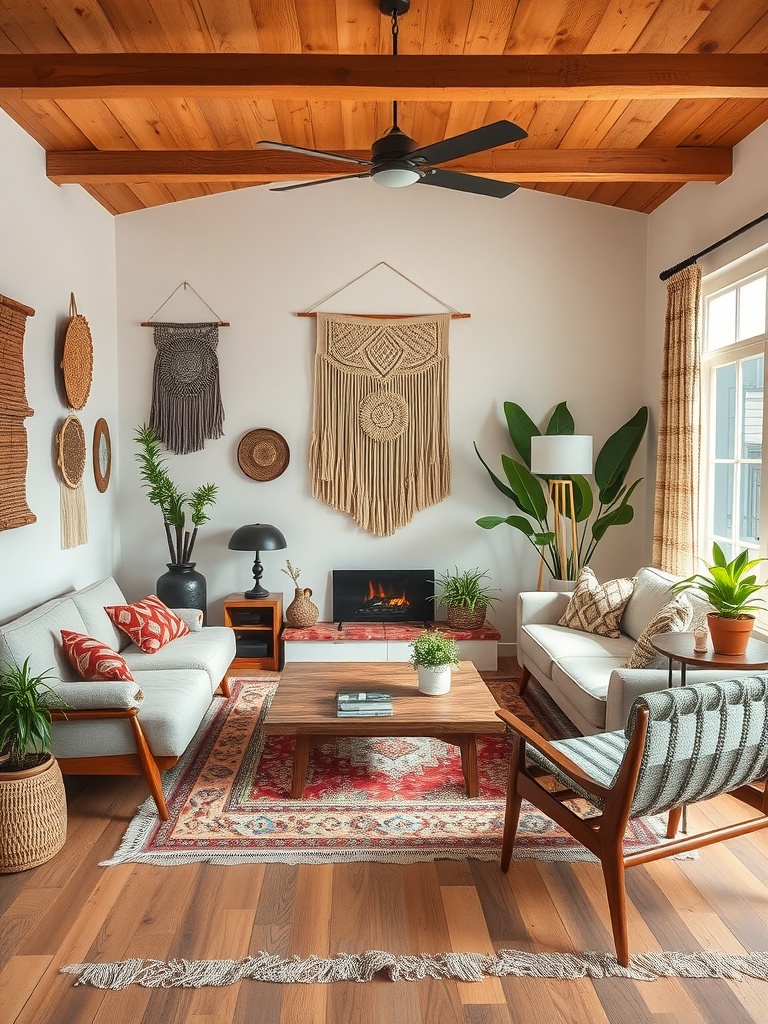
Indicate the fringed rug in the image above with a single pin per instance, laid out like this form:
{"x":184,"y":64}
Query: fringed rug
{"x":396,"y":799}
{"x":460,"y":966}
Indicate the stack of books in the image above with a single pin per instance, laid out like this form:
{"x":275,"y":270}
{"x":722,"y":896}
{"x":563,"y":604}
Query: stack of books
{"x":359,"y":704}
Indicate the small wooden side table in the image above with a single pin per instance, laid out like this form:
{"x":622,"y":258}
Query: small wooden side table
{"x":679,"y":647}
{"x":257,"y":624}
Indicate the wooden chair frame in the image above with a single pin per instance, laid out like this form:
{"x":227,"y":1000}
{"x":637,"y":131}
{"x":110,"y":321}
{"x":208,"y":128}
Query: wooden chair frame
{"x":603,"y":834}
{"x":143,"y":762}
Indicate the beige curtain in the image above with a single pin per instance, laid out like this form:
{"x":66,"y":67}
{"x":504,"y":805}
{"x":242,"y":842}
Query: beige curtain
{"x":677,"y":460}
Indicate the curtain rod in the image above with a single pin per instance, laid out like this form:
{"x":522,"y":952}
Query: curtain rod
{"x":665,"y":274}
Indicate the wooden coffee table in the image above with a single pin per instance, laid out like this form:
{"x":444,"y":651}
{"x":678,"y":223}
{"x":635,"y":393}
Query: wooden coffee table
{"x":304,"y":706}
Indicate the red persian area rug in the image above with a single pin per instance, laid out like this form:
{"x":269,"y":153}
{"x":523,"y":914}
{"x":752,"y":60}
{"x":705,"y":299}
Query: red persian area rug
{"x":396,"y":799}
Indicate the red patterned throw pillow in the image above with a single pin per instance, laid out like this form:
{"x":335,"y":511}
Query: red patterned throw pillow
{"x":149,"y":623}
{"x":93,"y":660}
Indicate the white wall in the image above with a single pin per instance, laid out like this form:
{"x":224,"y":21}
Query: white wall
{"x":53,"y":241}
{"x":556,"y":292}
{"x":692,"y":220}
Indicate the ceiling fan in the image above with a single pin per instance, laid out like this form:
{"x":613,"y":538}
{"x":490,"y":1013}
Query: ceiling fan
{"x":397,"y":160}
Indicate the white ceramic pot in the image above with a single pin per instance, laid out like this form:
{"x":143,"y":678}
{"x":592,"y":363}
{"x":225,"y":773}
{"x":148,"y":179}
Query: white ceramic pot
{"x":434,"y":679}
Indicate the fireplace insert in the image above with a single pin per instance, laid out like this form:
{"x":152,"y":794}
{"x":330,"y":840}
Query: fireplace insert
{"x":383,"y":595}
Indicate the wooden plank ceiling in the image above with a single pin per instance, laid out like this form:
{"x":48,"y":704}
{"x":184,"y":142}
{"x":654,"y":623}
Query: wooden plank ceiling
{"x":623,"y":101}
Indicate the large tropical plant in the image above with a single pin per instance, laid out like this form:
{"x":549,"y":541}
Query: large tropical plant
{"x":594,"y":513}
{"x":172,"y":502}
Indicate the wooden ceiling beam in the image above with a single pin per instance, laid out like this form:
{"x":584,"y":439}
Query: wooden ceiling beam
{"x":259,"y":166}
{"x":363,"y":77}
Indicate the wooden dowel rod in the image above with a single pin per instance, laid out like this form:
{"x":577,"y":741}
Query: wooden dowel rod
{"x":389,"y":316}
{"x":154,"y":323}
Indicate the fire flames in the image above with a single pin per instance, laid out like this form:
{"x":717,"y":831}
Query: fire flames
{"x":386,"y":595}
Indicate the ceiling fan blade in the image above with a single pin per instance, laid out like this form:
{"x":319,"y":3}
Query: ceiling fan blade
{"x":321,"y":153}
{"x":469,"y":183}
{"x":317,"y":181}
{"x":488,"y":137}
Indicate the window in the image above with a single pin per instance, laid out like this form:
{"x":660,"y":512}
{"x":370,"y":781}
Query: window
{"x":733,"y":385}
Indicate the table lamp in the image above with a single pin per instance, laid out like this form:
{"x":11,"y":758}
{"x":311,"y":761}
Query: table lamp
{"x":257,"y":537}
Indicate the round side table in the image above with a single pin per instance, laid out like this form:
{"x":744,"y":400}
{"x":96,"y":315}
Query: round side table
{"x":679,"y":647}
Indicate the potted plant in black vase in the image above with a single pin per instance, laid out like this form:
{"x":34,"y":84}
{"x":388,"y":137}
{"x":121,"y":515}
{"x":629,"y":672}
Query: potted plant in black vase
{"x":181,"y":586}
{"x":730,"y":588}
{"x":33,"y":803}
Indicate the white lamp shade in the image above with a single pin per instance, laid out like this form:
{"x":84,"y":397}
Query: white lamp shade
{"x":561,"y":454}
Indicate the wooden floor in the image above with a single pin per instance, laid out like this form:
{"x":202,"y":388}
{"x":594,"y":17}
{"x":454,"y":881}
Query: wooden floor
{"x":71,"y":910}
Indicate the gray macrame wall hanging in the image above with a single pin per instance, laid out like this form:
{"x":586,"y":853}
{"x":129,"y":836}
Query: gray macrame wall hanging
{"x":186,"y":396}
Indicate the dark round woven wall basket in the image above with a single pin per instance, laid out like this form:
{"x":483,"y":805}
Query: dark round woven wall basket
{"x":33,"y":810}
{"x":466,"y":618}
{"x":263,"y":454}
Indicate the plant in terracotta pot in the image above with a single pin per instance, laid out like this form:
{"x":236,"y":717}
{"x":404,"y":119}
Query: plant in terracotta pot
{"x":465,"y":596}
{"x":433,"y":654}
{"x":33,"y":804}
{"x":181,"y":586}
{"x":731,"y":592}
{"x":301,"y":613}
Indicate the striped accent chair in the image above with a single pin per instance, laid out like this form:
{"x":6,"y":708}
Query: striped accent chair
{"x":680,"y":745}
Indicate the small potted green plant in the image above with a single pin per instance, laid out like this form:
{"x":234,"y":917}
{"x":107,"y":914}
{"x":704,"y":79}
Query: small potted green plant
{"x":465,"y":596}
{"x":33,"y":804}
{"x":433,"y":654}
{"x":731,"y":592}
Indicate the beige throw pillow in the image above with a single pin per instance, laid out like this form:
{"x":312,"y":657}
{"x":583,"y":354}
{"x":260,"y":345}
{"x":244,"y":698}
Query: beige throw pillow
{"x":674,"y":617}
{"x":597,"y":607}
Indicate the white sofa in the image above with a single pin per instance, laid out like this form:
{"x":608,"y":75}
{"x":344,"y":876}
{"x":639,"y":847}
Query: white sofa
{"x":583,"y":672}
{"x":109,"y":728}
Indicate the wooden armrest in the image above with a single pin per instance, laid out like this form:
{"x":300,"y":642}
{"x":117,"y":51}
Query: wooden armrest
{"x":84,"y":714}
{"x":552,"y":753}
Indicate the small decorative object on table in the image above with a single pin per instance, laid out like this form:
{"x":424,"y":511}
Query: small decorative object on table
{"x":731,"y":592}
{"x":700,"y":640}
{"x":433,"y":654}
{"x":301,"y":613}
{"x":465,"y":597}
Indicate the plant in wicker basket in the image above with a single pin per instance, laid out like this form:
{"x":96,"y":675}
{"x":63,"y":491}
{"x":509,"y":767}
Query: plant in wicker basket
{"x":33,"y":804}
{"x":465,"y":596}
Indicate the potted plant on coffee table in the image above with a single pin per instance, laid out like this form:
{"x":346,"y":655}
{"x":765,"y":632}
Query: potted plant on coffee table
{"x":33,"y":804}
{"x":465,"y":596}
{"x":731,"y":592}
{"x":434,"y":654}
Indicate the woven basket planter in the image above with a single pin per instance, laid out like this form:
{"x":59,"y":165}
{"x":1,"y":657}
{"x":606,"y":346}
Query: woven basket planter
{"x":466,"y":618}
{"x":33,"y":816}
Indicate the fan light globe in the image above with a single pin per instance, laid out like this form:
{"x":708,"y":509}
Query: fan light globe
{"x":395,"y":177}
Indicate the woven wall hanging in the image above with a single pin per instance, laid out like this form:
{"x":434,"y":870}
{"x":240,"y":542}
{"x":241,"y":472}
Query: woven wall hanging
{"x":14,"y":510}
{"x":186,"y":399}
{"x":380,"y":448}
{"x":70,"y":443}
{"x":77,"y":359}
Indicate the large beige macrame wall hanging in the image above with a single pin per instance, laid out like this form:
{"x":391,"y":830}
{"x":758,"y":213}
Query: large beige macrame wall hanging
{"x":14,"y":510}
{"x":380,"y":446}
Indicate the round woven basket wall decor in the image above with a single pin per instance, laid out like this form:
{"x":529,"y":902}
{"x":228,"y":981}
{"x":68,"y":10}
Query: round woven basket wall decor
{"x":77,"y":361}
{"x":71,"y":451}
{"x":263,"y":454}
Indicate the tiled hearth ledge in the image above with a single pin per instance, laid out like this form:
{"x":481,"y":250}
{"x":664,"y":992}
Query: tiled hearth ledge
{"x":384,"y":641}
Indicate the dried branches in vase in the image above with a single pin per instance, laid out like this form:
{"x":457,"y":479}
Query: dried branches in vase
{"x":301,"y":613}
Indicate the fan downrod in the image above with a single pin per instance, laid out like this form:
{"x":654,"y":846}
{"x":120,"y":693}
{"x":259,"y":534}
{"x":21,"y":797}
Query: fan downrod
{"x":396,"y":7}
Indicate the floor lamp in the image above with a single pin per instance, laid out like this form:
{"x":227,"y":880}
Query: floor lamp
{"x":558,"y":457}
